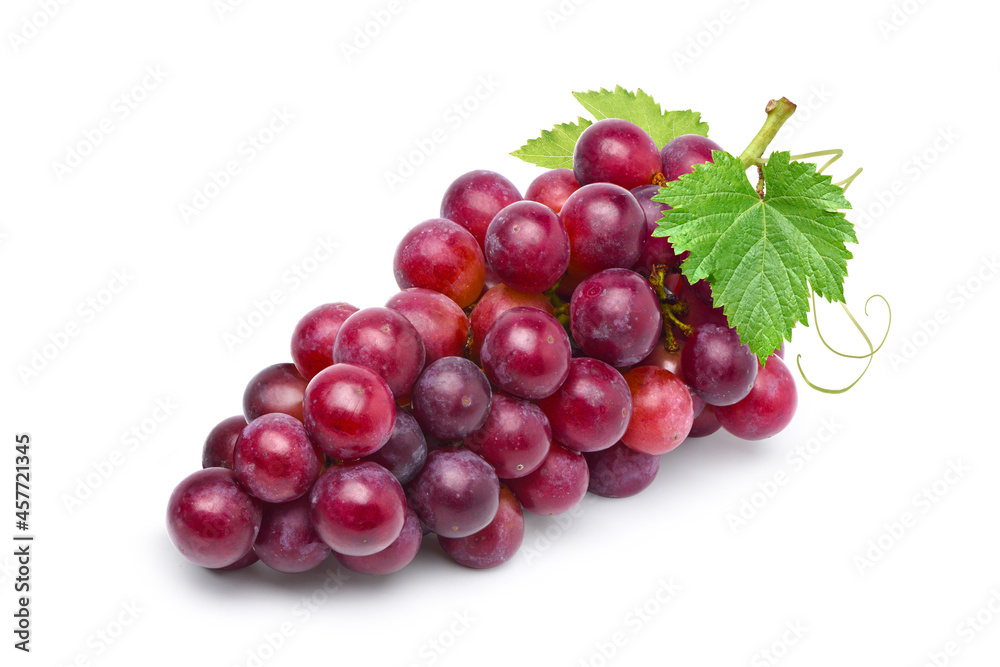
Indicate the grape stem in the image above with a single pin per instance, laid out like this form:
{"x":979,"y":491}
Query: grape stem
{"x":778,"y":111}
{"x":670,"y":308}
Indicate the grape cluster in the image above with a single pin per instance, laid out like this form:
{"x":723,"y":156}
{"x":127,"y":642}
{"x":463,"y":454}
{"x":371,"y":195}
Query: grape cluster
{"x":540,"y":348}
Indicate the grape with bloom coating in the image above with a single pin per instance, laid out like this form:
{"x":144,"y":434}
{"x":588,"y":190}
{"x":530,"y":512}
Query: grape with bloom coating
{"x":405,"y":452}
{"x":451,"y":398}
{"x":606,"y":228}
{"x":358,"y":508}
{"x":275,"y":460}
{"x":526,"y":353}
{"x":394,"y":557}
{"x":442,"y":256}
{"x":493,"y":545}
{"x":661,"y":410}
{"x":473,"y":199}
{"x":680,"y":156}
{"x":515,"y":437}
{"x":615,"y":317}
{"x":277,"y":388}
{"x":494,"y":303}
{"x":615,"y":151}
{"x":349,"y":411}
{"x":314,"y":335}
{"x":591,"y":409}
{"x":442,"y":325}
{"x":527,"y":246}
{"x":383,"y":341}
{"x":620,"y":471}
{"x":553,"y":188}
{"x":211,"y":520}
{"x":705,"y":424}
{"x":716,"y":366}
{"x":556,"y":486}
{"x":456,"y":493}
{"x":287,"y":541}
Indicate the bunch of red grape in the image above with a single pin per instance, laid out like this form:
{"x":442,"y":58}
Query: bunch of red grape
{"x":540,"y":348}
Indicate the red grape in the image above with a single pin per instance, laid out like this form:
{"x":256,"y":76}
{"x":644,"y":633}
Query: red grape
{"x":442,"y":325}
{"x":314,"y":335}
{"x":405,"y":452}
{"x":527,"y":246}
{"x":606,"y":228}
{"x":349,"y":411}
{"x":497,"y":301}
{"x":526,"y":353}
{"x":274,"y":460}
{"x":767,"y":409}
{"x":553,"y":188}
{"x":218,"y":450}
{"x":705,"y":424}
{"x":394,"y":557}
{"x":287,"y":541}
{"x":358,"y":509}
{"x":615,"y":151}
{"x":515,"y":437}
{"x":615,"y":317}
{"x":658,"y":249}
{"x":473,"y":199}
{"x":680,"y":156}
{"x":442,"y":256}
{"x":451,"y":398}
{"x":493,"y":545}
{"x":716,"y":366}
{"x":277,"y":388}
{"x":661,"y":410}
{"x":620,"y":471}
{"x":383,"y":341}
{"x":456,"y":493}
{"x":556,"y":486}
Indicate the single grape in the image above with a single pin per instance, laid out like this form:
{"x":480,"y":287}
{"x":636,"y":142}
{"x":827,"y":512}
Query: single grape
{"x":383,"y":341}
{"x":671,"y":361}
{"x":218,"y":450}
{"x":680,"y":156}
{"x":287,"y":541}
{"x":556,"y":486}
{"x":473,"y":199}
{"x":442,"y":256}
{"x":716,"y":366}
{"x":526,"y":353}
{"x":661,"y":410}
{"x":615,"y":151}
{"x":277,"y":388}
{"x":456,"y":493}
{"x":527,"y":246}
{"x":275,"y":460}
{"x":394,"y":557}
{"x":497,"y":301}
{"x":658,"y":249}
{"x":211,"y":520}
{"x":615,"y":317}
{"x":349,"y":411}
{"x":442,"y":325}
{"x":606,"y":228}
{"x":515,"y":437}
{"x":705,"y":424}
{"x":591,"y":409}
{"x":451,"y":398}
{"x":314,"y":335}
{"x":553,"y":188}
{"x":405,"y":452}
{"x":620,"y":471}
{"x":493,"y":545}
{"x":358,"y":508}
{"x":767,"y":409}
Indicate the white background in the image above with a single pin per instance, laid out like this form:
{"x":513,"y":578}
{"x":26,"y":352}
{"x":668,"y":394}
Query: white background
{"x":926,"y":90}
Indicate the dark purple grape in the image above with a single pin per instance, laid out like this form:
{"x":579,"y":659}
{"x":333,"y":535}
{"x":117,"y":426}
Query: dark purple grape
{"x":493,"y":545}
{"x":556,"y":486}
{"x":615,"y":151}
{"x":275,"y":460}
{"x":358,"y":509}
{"x":527,"y":246}
{"x":277,"y":388}
{"x":705,"y":424}
{"x":451,"y":398}
{"x":606,"y":228}
{"x":394,"y":557}
{"x":221,"y":440}
{"x":526,"y":353}
{"x":405,"y":452}
{"x":615,"y":317}
{"x":767,"y":409}
{"x":681,"y":155}
{"x":287,"y":541}
{"x":442,"y":256}
{"x":658,"y":249}
{"x":497,"y":301}
{"x":662,"y":411}
{"x":592,"y":408}
{"x":717,"y":367}
{"x":456,"y":493}
{"x":314,"y":335}
{"x":211,"y":520}
{"x":553,"y":188}
{"x":349,"y":411}
{"x":442,"y":325}
{"x":515,"y":438}
{"x":620,"y":471}
{"x":383,"y":341}
{"x":473,"y":199}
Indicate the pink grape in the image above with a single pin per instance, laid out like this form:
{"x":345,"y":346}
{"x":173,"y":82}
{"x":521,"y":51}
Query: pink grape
{"x":442,"y":325}
{"x":553,"y":188}
{"x":661,"y":410}
{"x":606,"y":228}
{"x":767,"y":409}
{"x":314,"y":335}
{"x":556,"y":486}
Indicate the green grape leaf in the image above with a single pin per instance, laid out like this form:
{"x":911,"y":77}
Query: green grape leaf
{"x":763,"y":255}
{"x":554,"y":149}
{"x":641,"y":109}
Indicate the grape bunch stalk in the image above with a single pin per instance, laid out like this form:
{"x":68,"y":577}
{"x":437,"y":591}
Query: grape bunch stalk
{"x":541,"y":346}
